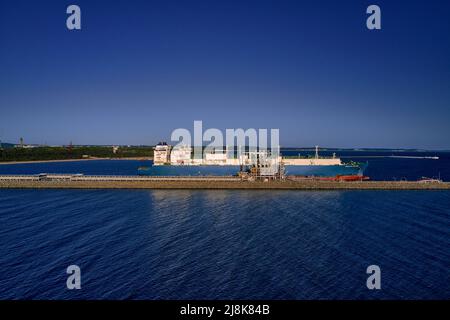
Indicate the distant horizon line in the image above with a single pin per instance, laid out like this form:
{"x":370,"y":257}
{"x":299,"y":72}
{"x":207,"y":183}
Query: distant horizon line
{"x":282,"y":147}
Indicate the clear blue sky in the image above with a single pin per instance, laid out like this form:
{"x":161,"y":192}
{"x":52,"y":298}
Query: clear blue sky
{"x":139,"y":69}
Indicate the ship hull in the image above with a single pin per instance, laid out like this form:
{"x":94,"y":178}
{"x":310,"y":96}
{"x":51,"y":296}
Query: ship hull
{"x":229,"y":170}
{"x":179,"y":170}
{"x":324,"y":171}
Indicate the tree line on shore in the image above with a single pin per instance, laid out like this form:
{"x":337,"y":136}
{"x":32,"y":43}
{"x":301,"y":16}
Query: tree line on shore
{"x":73,"y":152}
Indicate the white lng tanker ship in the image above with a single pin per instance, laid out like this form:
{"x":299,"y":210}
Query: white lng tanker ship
{"x":179,"y":161}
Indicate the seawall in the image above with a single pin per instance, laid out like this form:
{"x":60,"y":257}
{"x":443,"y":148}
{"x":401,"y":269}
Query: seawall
{"x":117,"y":182}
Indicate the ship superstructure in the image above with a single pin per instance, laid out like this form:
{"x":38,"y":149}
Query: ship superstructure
{"x":161,"y":153}
{"x":181,"y":155}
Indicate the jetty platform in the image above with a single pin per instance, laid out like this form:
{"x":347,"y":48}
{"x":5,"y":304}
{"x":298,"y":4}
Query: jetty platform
{"x":67,"y":181}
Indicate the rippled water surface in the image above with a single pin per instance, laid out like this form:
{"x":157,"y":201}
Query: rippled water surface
{"x":224,"y":244}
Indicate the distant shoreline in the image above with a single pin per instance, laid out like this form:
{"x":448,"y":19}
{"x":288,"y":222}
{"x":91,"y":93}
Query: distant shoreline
{"x":73,"y":160}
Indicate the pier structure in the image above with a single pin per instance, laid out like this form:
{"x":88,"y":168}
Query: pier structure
{"x":77,"y":181}
{"x":263,"y":166}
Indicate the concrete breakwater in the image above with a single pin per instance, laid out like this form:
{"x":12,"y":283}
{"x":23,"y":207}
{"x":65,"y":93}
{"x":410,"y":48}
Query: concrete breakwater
{"x":207,"y":182}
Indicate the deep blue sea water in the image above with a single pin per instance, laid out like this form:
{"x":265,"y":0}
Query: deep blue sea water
{"x":223,"y":244}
